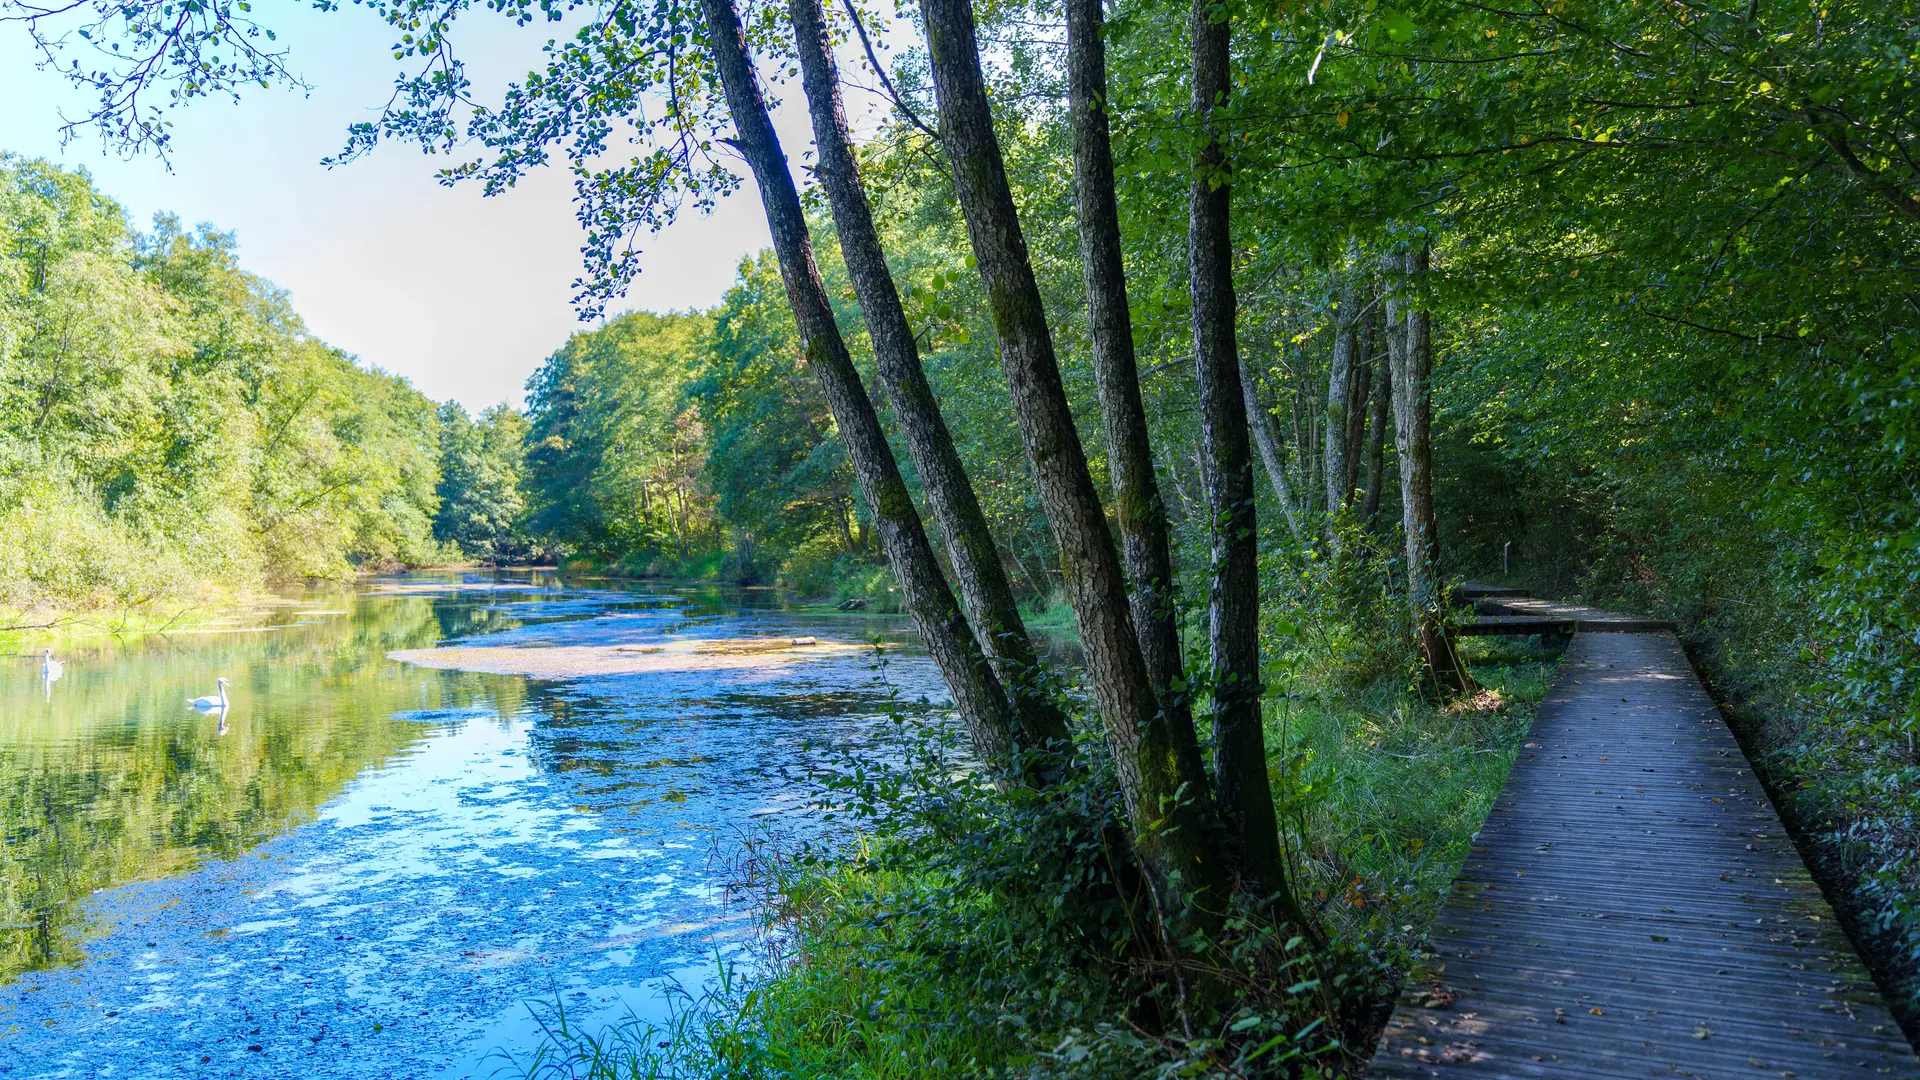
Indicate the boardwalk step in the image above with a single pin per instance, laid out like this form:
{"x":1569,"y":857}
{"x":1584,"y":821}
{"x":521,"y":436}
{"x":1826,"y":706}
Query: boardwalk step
{"x":1470,"y":591}
{"x":1591,"y":620}
{"x":1515,"y":626}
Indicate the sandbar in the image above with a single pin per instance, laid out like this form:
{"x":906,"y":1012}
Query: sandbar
{"x":679,"y":654}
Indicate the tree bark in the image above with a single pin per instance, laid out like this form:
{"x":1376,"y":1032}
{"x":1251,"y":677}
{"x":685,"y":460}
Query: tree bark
{"x":1138,"y":507}
{"x":1233,"y":609}
{"x":1377,"y":431}
{"x":1408,"y":334}
{"x":1268,"y":440}
{"x":1173,"y":830}
{"x":978,"y":695}
{"x":1346,"y":342}
{"x":977,"y":567}
{"x":1359,"y":388}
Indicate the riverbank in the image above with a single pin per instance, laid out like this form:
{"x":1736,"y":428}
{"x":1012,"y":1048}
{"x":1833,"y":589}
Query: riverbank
{"x":54,"y":627}
{"x":208,"y":609}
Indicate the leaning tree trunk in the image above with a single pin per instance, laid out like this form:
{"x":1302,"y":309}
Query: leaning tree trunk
{"x":1138,"y":508}
{"x":981,"y":700}
{"x":1233,"y":610}
{"x":1407,"y":334}
{"x":977,"y":568}
{"x":1260,"y":418}
{"x":1173,"y":831}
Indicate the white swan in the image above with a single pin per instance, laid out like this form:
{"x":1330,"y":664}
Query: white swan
{"x":50,"y":669}
{"x":219,"y":701}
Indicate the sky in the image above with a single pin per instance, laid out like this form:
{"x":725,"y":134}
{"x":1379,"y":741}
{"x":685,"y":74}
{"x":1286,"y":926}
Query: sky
{"x":463,"y":295}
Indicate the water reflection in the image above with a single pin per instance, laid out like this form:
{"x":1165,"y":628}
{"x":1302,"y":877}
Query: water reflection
{"x":365,"y":868}
{"x":105,"y":778}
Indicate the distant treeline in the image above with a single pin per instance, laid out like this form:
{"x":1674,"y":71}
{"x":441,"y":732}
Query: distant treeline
{"x":697,"y":445}
{"x":169,"y":430}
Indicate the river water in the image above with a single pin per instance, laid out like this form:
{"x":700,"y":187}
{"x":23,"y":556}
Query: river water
{"x":371,"y":868}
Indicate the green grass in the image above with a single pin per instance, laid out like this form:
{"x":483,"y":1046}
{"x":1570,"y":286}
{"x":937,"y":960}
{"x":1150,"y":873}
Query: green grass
{"x":1383,"y":791}
{"x":1050,"y":616}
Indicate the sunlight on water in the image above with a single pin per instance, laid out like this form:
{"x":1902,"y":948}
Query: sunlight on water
{"x":377,"y":866}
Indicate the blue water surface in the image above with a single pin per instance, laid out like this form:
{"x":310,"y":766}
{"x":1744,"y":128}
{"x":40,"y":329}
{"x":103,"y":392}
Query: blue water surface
{"x":522,"y":841}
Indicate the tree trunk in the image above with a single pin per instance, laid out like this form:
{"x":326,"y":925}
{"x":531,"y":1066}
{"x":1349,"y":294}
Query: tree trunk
{"x":1268,"y":440}
{"x":1233,"y":609}
{"x":1333,"y":457}
{"x":1407,"y":333}
{"x":1138,"y":507}
{"x":977,"y":567}
{"x":845,"y":513}
{"x":1359,"y":387}
{"x":1173,"y":830}
{"x":1377,"y":430}
{"x":981,"y":700}
{"x":1187,"y":504}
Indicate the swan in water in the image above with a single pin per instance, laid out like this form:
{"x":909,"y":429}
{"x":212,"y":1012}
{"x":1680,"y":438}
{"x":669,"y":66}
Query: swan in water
{"x":219,"y":701}
{"x":50,"y":669}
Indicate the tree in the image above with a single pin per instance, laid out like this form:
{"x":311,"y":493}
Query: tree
{"x":1233,"y":608}
{"x":1171,"y":823}
{"x":615,"y":445}
{"x":168,"y":428}
{"x":980,"y":697}
{"x":480,"y":477}
{"x":977,"y":568}
{"x":1139,"y":510}
{"x":1411,"y":352}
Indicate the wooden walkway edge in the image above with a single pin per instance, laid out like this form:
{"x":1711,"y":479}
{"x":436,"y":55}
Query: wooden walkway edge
{"x":1632,"y":907}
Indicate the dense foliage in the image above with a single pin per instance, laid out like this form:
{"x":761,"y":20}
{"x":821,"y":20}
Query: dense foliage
{"x":169,"y":430}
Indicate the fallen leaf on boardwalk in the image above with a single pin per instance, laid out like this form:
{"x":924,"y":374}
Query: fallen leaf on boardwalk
{"x":1533,"y":746}
{"x":1596,"y":1012}
{"x":1701,"y":1031}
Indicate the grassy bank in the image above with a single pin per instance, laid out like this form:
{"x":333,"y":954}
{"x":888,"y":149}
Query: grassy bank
{"x":943,"y":941}
{"x":48,"y":626}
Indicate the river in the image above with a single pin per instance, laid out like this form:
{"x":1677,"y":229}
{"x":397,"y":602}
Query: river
{"x":372,"y":868}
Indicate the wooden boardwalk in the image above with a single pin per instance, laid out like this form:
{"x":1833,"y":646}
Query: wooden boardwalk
{"x":1508,"y":612}
{"x":1633,"y":908}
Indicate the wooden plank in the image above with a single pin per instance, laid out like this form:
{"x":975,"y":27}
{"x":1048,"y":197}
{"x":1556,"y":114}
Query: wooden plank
{"x":1591,"y":620}
{"x":1633,"y":908}
{"x":1473,"y":590}
{"x":1563,"y":625}
{"x":1515,"y":626}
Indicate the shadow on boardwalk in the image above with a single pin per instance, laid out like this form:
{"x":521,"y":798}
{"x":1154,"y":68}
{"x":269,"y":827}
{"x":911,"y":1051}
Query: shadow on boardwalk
{"x":1633,"y":907}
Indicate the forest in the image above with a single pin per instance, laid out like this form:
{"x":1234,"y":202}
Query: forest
{"x":1238,"y":330}
{"x":173,"y":436}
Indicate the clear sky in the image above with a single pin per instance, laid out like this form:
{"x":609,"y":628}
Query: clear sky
{"x":462,"y":294}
